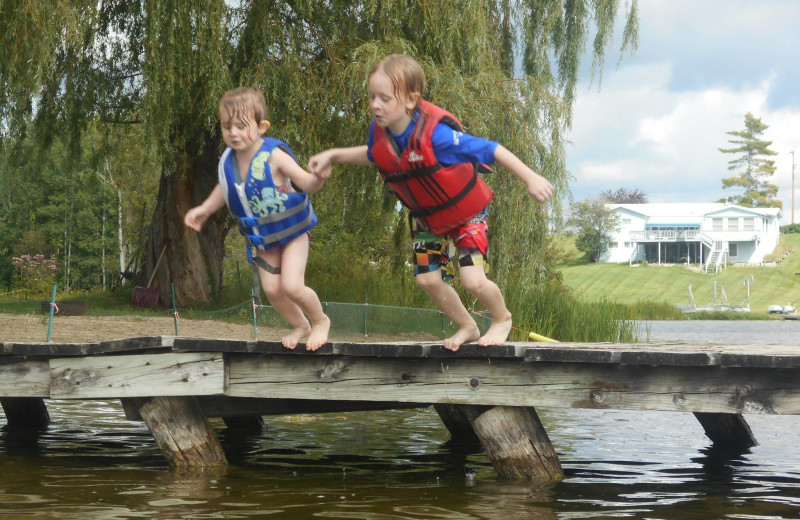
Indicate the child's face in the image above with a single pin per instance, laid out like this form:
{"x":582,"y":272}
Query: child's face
{"x":240,"y":131}
{"x":389,"y":110}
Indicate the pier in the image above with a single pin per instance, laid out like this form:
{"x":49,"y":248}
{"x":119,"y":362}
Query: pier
{"x":483,"y":395}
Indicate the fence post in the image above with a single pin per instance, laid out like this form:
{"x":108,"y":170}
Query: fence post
{"x":255,"y":325}
{"x":52,"y":310}
{"x":174,"y":310}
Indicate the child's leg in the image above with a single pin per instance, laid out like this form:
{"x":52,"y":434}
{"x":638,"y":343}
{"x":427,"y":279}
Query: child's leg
{"x":473,"y":279}
{"x":294,"y":257}
{"x":271,"y":284}
{"x":447,"y":299}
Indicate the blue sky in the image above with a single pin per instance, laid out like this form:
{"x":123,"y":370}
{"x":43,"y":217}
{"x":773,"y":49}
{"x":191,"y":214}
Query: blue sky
{"x":659,"y":116}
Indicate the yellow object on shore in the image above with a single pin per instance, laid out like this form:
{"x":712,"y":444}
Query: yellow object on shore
{"x":537,"y":337}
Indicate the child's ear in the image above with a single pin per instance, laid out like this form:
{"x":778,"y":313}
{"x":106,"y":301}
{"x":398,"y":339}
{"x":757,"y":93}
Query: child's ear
{"x":412,"y":102}
{"x":263,"y":126}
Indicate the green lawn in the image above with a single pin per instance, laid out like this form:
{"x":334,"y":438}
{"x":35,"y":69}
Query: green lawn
{"x":622,"y":283}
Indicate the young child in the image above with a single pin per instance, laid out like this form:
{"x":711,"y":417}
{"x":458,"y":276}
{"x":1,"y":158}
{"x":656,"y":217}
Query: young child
{"x":256,"y":175}
{"x":425,"y":157}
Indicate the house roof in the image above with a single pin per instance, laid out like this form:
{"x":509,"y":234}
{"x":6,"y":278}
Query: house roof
{"x":685,"y":213}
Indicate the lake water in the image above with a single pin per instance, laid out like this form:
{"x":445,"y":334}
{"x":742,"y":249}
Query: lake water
{"x":93,"y":464}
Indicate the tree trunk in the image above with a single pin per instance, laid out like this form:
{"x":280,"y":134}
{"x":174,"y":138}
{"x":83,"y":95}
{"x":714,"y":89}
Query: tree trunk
{"x":192,"y":261}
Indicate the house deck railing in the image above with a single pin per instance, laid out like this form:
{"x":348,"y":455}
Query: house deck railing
{"x":671,"y":235}
{"x":689,"y":235}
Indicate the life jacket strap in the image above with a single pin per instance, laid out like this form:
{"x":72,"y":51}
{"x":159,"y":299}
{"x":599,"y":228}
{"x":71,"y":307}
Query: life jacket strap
{"x":430,"y":210}
{"x":272,"y":238}
{"x":263,"y":264}
{"x":411,"y":174}
{"x":268,"y":219}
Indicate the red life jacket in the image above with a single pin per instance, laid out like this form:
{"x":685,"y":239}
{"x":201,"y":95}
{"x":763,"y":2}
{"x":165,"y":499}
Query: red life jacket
{"x":439,"y":197}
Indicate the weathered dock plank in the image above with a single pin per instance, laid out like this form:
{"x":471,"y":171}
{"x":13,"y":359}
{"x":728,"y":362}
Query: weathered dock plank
{"x":505,"y":382}
{"x":400,"y":349}
{"x":89,"y":349}
{"x":104,"y":377}
{"x":24,"y":378}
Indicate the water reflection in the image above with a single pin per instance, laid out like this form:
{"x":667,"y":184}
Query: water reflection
{"x":383,"y":465}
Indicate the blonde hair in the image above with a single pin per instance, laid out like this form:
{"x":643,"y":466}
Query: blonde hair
{"x":404,"y":72}
{"x":240,"y":102}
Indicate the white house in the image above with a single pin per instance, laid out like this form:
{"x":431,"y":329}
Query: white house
{"x":710,"y":234}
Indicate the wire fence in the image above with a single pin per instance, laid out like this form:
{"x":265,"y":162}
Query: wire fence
{"x":348,"y":318}
{"x":363,"y":319}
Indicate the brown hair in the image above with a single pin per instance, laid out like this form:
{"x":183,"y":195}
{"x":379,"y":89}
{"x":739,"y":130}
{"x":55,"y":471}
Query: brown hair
{"x":239,"y":102}
{"x":404,"y":72}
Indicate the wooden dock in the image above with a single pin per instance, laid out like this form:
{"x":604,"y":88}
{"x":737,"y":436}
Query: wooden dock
{"x":486,"y":395}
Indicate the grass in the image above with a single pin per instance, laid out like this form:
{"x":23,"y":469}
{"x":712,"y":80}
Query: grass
{"x":633,"y":285}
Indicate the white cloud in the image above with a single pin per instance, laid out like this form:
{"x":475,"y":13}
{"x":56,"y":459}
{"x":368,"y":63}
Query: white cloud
{"x":659,"y":120}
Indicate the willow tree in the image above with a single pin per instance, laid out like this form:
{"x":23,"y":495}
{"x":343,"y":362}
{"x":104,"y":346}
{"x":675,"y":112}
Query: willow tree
{"x":507,"y":69}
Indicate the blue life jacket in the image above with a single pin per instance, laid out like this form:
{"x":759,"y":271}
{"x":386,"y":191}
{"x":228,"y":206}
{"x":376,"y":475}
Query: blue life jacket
{"x":266,"y":217}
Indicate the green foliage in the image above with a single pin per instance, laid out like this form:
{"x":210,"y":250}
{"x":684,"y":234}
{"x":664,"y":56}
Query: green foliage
{"x":551,"y":310}
{"x":623,"y":284}
{"x":790,"y":228}
{"x":34,"y":274}
{"x":594,"y":222}
{"x":753,"y":166}
{"x":623,"y":196}
{"x":127,"y":92}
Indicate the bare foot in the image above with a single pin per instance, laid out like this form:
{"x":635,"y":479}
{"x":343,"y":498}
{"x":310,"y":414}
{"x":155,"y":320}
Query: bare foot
{"x":497,"y":334}
{"x":462,"y":335}
{"x":291,"y":340}
{"x":319,"y":334}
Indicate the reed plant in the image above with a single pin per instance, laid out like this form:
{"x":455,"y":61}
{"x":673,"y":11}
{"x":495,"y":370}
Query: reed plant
{"x":551,"y":310}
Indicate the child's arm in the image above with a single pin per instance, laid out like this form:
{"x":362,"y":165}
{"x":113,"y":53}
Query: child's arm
{"x":198,"y":215}
{"x":538,"y":187}
{"x":284,"y":164}
{"x":321,"y":163}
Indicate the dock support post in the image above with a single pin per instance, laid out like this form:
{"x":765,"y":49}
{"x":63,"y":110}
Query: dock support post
{"x":457,"y":423}
{"x":516,"y":442}
{"x":25,"y":413}
{"x":181,"y":430}
{"x":246,"y":423}
{"x":727,"y":430}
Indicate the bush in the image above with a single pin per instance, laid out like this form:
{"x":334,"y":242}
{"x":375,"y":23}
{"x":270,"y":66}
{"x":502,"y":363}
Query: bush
{"x":34,"y":274}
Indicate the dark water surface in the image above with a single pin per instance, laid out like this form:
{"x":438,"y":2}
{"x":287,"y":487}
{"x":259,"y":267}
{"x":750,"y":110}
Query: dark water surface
{"x":93,"y":464}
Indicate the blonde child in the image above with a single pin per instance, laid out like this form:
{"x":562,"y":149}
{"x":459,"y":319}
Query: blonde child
{"x":425,"y":157}
{"x":256,"y":179}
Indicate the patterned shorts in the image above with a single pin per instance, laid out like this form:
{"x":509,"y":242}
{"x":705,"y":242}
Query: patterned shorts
{"x":469,"y":241}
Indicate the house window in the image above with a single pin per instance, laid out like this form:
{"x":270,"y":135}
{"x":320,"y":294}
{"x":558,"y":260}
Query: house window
{"x":733,"y":224}
{"x":749,"y":224}
{"x":626,"y":222}
{"x":716,"y":224}
{"x":628,"y":245}
{"x":733,"y":250}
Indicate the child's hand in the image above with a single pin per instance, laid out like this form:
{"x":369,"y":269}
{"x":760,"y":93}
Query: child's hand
{"x":320,"y":165}
{"x":539,"y":188}
{"x":196,"y":217}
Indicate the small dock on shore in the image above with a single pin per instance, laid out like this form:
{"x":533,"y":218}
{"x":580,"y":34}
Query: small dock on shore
{"x":483,"y":395}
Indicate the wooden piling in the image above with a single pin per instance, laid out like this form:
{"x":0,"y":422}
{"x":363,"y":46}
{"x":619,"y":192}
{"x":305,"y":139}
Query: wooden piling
{"x":181,"y":430}
{"x":25,"y":413}
{"x":516,"y":442}
{"x":246,"y":423}
{"x":727,"y":430}
{"x":457,"y":423}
